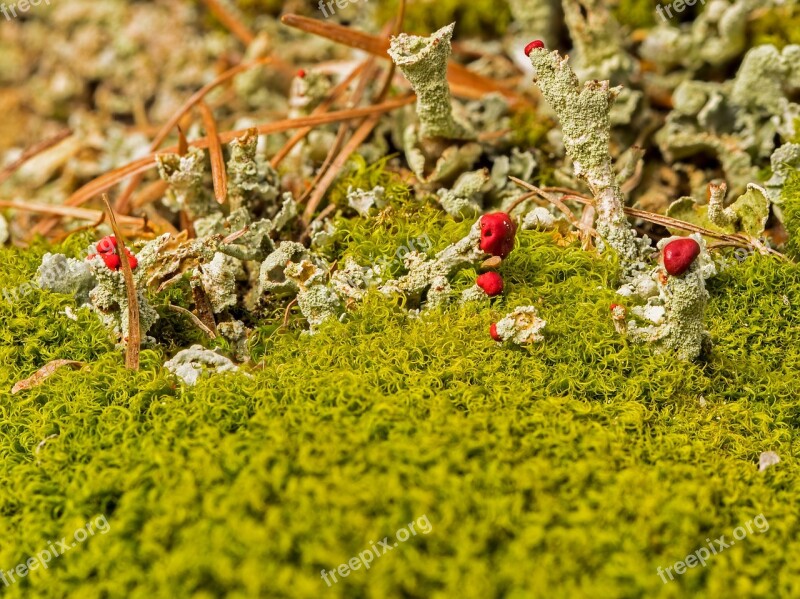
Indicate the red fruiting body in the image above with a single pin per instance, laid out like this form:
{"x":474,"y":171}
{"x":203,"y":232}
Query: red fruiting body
{"x":111,"y":260}
{"x":301,"y":73}
{"x":532,"y":46}
{"x":107,"y":245}
{"x":493,"y":332}
{"x":679,"y":255}
{"x":497,"y":234}
{"x":107,"y":250}
{"x":491,"y":283}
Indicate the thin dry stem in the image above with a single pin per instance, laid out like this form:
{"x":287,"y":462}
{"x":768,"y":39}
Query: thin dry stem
{"x":219,"y":174}
{"x":133,"y":341}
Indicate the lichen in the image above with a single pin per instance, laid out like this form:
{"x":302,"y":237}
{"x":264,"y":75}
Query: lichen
{"x":583,"y":113}
{"x":736,"y":121}
{"x":423,"y":61}
{"x":522,"y":326}
{"x":674,"y":319}
{"x":464,"y":199}
{"x":190,"y":364}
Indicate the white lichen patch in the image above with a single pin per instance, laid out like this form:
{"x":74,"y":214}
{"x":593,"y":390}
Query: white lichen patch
{"x":432,"y":275}
{"x":60,"y":274}
{"x":362,"y":201}
{"x":190,"y":364}
{"x":674,"y":318}
{"x":539,"y":218}
{"x":522,"y":326}
{"x":767,"y":459}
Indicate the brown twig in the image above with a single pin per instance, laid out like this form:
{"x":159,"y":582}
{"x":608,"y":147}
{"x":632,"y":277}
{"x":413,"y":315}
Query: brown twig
{"x":108,"y":180}
{"x":219,"y":174}
{"x":463,"y":82}
{"x":231,"y":21}
{"x":122,"y":202}
{"x":287,"y":312}
{"x":341,"y":134}
{"x":197,"y":322}
{"x":665,"y":221}
{"x":133,"y":340}
{"x":355,"y":142}
{"x":69,"y":211}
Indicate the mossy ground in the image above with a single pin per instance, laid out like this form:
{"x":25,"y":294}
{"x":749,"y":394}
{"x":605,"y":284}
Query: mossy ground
{"x":573,"y":468}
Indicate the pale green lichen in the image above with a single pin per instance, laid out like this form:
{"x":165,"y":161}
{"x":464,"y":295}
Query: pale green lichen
{"x":307,"y":92}
{"x":538,"y":218}
{"x":236,"y":333}
{"x":519,"y":163}
{"x":464,"y":200}
{"x":715,"y":37}
{"x":522,"y":326}
{"x":190,"y":364}
{"x":218,"y":279}
{"x":61,"y":274}
{"x":748,"y":214}
{"x":109,"y":299}
{"x":584,"y":116}
{"x":252,"y":182}
{"x":598,"y":41}
{"x":432,"y":275}
{"x":363,"y":201}
{"x":423,"y":61}
{"x":674,"y":319}
{"x":317,"y":301}
{"x":583,"y":113}
{"x":736,"y":121}
{"x":536,"y":19}
{"x":784,"y":161}
{"x":273,"y":278}
{"x":186,"y":176}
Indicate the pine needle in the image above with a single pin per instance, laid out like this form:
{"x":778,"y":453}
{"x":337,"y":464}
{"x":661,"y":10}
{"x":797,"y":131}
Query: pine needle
{"x":219,"y":174}
{"x":134,"y":339}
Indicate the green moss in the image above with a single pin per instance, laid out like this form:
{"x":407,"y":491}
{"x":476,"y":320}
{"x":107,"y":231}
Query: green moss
{"x":791,"y":214}
{"x":573,"y":468}
{"x":635,"y":13}
{"x":481,"y":18}
{"x":529,"y":128}
{"x":779,"y":26}
{"x":360,"y":175}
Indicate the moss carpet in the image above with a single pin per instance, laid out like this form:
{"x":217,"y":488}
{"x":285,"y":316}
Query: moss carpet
{"x":574,"y":468}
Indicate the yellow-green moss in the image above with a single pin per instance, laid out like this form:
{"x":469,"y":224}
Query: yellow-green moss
{"x":481,"y":18}
{"x":778,"y":26}
{"x":791,"y":214}
{"x":573,"y":468}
